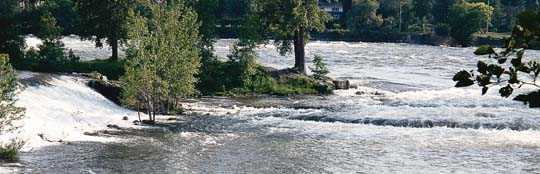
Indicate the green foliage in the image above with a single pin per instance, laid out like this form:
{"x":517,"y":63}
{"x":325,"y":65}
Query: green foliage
{"x":8,"y":85}
{"x":206,"y":11}
{"x":442,"y":29}
{"x":320,"y":70}
{"x":366,"y":21}
{"x":164,"y":57}
{"x":11,"y":41}
{"x":65,"y":13}
{"x":241,"y":75}
{"x":484,"y":50}
{"x":217,"y":76}
{"x":422,"y":8}
{"x":471,"y":15}
{"x":104,"y":19}
{"x":287,"y":22}
{"x":48,"y":29}
{"x":501,"y":73}
{"x":363,"y":17}
{"x":8,"y":152}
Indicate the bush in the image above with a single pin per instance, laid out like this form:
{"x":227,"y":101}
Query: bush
{"x":242,"y":75}
{"x":9,"y":152}
{"x":320,"y":70}
{"x":8,"y":85}
{"x":51,"y":58}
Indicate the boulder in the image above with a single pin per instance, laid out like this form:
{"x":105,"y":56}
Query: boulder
{"x":109,"y":89}
{"x":341,"y":84}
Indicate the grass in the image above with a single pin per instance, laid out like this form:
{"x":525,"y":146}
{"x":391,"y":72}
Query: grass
{"x":292,"y":84}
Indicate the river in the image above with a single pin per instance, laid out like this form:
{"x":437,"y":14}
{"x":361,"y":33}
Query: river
{"x":404,"y":117}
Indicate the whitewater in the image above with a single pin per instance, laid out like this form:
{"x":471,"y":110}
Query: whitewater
{"x":404,"y":117}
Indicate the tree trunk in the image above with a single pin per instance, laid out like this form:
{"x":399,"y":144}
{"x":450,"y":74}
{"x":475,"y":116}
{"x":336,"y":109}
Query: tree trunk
{"x":299,"y":51}
{"x":114,"y":47}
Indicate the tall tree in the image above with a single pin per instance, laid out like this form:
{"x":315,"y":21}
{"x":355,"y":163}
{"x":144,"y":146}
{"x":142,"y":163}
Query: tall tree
{"x":164,"y":58}
{"x":104,"y":19}
{"x":287,"y":22}
{"x":11,"y":41}
{"x":422,"y":9}
{"x":441,"y":10}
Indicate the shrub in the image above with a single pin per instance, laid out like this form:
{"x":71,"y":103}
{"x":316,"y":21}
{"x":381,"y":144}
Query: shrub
{"x":8,"y":85}
{"x":9,"y":151}
{"x":320,"y":70}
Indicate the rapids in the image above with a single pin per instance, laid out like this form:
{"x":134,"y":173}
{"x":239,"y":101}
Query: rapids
{"x":405,"y":117}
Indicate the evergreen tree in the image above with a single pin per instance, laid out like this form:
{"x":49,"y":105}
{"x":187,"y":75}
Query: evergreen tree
{"x":287,"y":22}
{"x":104,"y":19}
{"x":164,"y":57}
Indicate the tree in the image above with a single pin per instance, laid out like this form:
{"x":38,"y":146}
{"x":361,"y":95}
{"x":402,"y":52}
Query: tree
{"x":11,"y":41}
{"x":287,"y":22}
{"x":509,"y":76}
{"x":65,"y":13}
{"x":8,"y":85}
{"x":363,"y":18}
{"x":441,"y":10}
{"x":472,"y":15}
{"x":104,"y":19}
{"x":163,"y":58}
{"x":421,"y":9}
{"x":206,"y":11}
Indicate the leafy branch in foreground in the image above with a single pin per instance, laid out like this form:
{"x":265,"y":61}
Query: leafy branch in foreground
{"x":511,"y":69}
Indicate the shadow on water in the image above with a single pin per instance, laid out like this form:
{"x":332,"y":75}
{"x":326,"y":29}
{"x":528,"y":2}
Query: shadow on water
{"x":40,"y":79}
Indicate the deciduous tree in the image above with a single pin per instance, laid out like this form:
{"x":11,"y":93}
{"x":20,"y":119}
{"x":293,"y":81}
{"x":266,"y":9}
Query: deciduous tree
{"x":164,"y":57}
{"x":104,"y":19}
{"x":287,"y":22}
